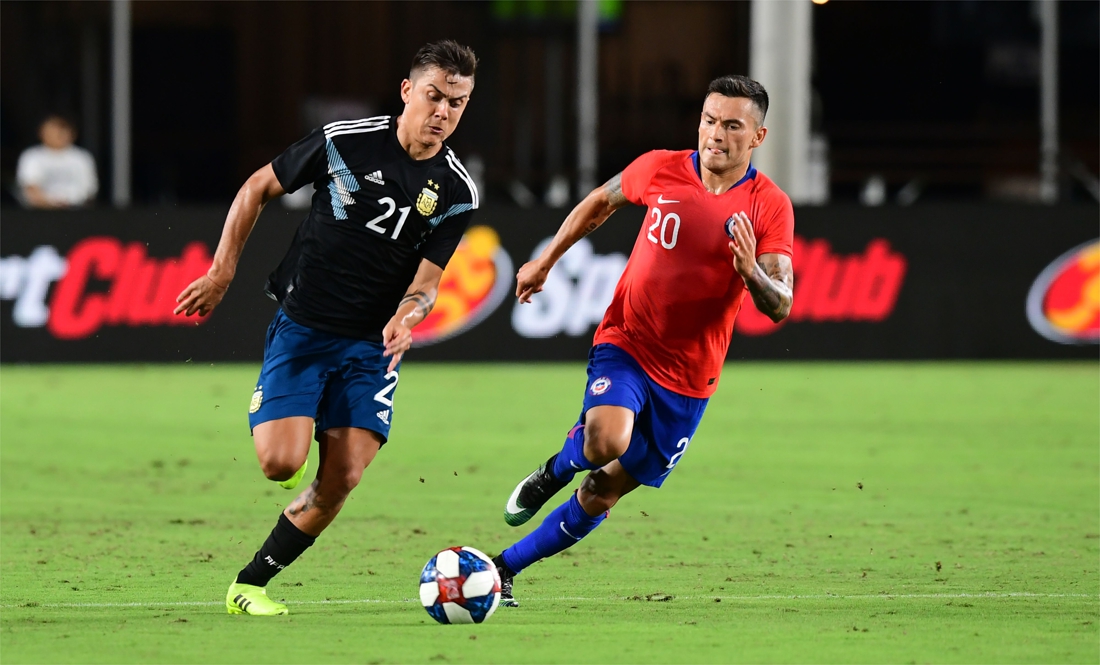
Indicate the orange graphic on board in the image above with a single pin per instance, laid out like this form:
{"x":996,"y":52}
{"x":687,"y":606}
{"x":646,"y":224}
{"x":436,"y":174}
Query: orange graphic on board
{"x":476,"y":281}
{"x":1064,"y":302}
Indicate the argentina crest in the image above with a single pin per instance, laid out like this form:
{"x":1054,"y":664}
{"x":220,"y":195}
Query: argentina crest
{"x":426,"y":202}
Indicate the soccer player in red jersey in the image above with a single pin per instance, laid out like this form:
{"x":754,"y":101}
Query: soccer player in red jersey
{"x":716,"y":229}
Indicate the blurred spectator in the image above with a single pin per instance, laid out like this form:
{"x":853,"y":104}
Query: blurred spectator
{"x":56,"y":174}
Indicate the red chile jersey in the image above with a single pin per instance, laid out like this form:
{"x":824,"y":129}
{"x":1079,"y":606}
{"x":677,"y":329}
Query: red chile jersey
{"x":376,"y":213}
{"x":675,"y":303}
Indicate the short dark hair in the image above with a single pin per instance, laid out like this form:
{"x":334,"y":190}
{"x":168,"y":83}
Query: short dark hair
{"x":60,"y":119}
{"x":736,"y":85}
{"x":448,"y":55}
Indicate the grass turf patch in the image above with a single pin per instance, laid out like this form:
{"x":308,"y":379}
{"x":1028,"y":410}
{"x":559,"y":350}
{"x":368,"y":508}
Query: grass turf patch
{"x":824,"y":513}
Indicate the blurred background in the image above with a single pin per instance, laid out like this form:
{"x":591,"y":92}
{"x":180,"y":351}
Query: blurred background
{"x":929,"y":100}
{"x":976,"y":123}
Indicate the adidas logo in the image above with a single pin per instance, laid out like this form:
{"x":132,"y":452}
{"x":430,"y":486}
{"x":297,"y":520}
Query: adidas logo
{"x":384,"y":416}
{"x":375,"y":177}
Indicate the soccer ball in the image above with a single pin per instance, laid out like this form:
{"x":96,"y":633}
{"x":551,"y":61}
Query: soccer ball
{"x":460,"y":585}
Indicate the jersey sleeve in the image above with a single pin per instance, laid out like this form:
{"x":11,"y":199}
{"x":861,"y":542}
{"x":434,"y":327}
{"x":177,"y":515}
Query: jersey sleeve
{"x":775,"y":224}
{"x":302,"y":163}
{"x":89,"y":177}
{"x":636,"y":177}
{"x":29,"y":170}
{"x":443,"y":241}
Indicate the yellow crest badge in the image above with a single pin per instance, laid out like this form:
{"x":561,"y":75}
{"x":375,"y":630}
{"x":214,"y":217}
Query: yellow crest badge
{"x":426,"y":202}
{"x":257,"y":400}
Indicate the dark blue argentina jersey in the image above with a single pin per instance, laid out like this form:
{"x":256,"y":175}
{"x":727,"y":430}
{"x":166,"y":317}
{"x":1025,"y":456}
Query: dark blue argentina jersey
{"x":376,"y":213}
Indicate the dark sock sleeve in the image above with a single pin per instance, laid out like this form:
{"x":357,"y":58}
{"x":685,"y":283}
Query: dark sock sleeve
{"x":285,"y":544}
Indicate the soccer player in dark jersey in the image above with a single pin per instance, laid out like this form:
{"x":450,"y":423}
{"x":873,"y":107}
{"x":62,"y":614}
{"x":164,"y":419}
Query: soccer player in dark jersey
{"x":716,"y":229}
{"x":390,"y":204}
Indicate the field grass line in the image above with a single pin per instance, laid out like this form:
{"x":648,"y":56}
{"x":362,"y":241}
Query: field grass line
{"x":653,"y":597}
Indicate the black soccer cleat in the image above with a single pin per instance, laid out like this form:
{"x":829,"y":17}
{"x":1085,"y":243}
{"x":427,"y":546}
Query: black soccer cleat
{"x":531,"y":493}
{"x":506,"y":577}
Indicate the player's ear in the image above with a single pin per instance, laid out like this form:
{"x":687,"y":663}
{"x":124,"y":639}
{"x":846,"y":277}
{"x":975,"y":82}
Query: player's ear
{"x":761,"y":132}
{"x":406,"y":90}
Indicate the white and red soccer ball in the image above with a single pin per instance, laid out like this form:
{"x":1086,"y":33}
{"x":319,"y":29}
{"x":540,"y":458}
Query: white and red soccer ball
{"x":460,"y":585}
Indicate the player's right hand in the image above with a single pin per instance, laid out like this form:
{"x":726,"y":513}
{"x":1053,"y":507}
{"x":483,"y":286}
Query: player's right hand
{"x":201,"y":296}
{"x":530,"y":278}
{"x":398,"y":339}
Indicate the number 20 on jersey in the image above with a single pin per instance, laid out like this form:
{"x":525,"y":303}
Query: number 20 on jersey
{"x":667,"y":228}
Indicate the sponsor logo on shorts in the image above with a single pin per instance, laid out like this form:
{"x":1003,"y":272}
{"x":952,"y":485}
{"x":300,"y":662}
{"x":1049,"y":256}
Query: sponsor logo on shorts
{"x":600,"y":386}
{"x":384,"y":416}
{"x":257,"y":400}
{"x":1064,"y":302}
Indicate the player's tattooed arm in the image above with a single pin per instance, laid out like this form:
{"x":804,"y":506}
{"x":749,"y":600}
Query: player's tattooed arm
{"x":421,"y":295}
{"x":772,"y":285}
{"x":614,"y":190}
{"x":585,"y":218}
{"x":422,"y":302}
{"x":414,"y":307}
{"x":769,"y":278}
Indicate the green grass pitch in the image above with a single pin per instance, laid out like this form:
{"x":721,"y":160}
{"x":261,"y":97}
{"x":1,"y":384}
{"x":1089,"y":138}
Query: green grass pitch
{"x":824,"y":513}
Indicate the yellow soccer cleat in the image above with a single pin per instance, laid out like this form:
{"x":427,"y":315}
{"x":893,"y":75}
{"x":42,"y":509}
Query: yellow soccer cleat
{"x":292,"y":482}
{"x":249,"y":599}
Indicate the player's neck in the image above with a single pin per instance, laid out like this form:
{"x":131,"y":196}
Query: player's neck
{"x":417,"y":150}
{"x":720,"y":183}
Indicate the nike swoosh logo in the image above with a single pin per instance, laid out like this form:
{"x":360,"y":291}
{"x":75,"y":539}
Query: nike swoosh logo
{"x":661,"y":199}
{"x":574,"y":465}
{"x":562,"y":525}
{"x":513,"y":507}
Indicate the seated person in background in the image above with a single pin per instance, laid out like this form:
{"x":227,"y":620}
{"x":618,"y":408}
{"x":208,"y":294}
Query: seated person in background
{"x":56,"y":174}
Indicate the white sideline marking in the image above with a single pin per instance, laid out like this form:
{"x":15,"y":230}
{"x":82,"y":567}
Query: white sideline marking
{"x":365,"y":601}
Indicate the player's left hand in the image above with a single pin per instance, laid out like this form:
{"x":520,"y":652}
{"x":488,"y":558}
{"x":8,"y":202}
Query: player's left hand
{"x":743,"y":245}
{"x":398,"y":339}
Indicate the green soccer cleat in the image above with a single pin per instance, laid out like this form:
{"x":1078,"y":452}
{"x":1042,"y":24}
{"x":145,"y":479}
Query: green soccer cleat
{"x":531,"y":493}
{"x":292,"y":482}
{"x":249,"y":599}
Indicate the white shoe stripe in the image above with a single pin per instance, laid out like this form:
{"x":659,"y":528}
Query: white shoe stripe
{"x":513,"y":508}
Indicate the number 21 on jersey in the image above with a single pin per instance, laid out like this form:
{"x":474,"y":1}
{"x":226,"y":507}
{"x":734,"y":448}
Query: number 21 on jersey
{"x":391,"y":206}
{"x":667,"y":228}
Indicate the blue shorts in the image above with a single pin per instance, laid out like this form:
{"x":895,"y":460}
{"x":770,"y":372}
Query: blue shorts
{"x":664,"y":421}
{"x":338,"y":381}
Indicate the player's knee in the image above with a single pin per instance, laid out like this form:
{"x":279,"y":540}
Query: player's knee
{"x":279,"y":467}
{"x":603,"y":444}
{"x":344,"y":482}
{"x":596,"y":495}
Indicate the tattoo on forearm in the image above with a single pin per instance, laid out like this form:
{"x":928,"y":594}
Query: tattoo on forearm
{"x":424,"y":302}
{"x":614,"y":189}
{"x":591,"y":227}
{"x":772,"y":288}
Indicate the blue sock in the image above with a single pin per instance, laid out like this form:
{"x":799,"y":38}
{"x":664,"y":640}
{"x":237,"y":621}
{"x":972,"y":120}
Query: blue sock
{"x":571,"y":459}
{"x":562,"y":528}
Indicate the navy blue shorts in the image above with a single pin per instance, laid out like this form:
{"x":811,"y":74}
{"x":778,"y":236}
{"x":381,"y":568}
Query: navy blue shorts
{"x":664,"y":421}
{"x":338,"y":381}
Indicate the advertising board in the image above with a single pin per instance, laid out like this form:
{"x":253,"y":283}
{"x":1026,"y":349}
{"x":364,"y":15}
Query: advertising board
{"x":923,"y":282}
